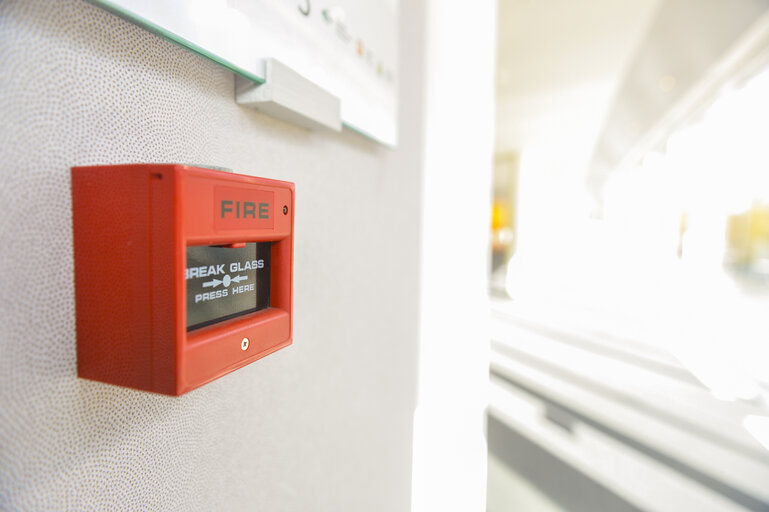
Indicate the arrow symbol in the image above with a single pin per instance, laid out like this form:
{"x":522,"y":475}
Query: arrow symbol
{"x":214,"y":283}
{"x":238,"y":279}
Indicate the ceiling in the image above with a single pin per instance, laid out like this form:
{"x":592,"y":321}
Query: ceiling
{"x":580,"y":82}
{"x":559,"y":63}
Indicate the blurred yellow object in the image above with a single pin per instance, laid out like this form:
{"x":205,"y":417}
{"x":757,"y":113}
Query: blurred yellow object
{"x":503,"y":209}
{"x":747,"y":236}
{"x":500,"y":215}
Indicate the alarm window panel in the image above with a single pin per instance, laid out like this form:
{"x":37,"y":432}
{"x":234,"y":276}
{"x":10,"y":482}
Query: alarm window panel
{"x":226,"y":282}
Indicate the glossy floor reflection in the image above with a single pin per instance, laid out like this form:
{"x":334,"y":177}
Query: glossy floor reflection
{"x":508,"y":490}
{"x":524,"y":477}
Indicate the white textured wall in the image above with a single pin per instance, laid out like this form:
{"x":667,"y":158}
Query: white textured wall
{"x":449,"y":442}
{"x":325,"y":425}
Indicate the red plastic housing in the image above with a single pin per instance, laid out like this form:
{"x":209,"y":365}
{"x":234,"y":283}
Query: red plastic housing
{"x":132,"y":225}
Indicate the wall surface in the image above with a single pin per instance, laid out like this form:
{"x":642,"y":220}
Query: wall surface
{"x":449,"y":442}
{"x":324,"y":425}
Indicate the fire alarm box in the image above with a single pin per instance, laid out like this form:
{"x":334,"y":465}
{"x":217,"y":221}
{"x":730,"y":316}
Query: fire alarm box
{"x":182,"y":274}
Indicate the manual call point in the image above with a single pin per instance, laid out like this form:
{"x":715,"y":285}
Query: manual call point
{"x":182,"y":274}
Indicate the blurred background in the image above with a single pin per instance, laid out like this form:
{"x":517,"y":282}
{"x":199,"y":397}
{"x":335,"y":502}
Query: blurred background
{"x":630,"y":256}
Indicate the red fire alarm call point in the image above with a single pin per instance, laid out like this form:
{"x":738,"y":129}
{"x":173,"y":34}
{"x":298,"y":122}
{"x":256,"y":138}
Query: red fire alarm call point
{"x":182,"y":274}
